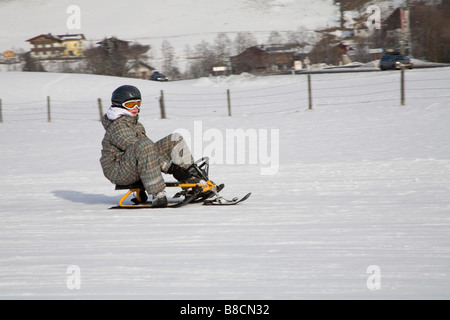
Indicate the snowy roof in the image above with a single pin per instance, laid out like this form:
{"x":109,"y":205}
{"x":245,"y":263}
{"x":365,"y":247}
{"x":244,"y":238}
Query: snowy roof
{"x":47,"y":36}
{"x":66,"y":37}
{"x":59,"y":38}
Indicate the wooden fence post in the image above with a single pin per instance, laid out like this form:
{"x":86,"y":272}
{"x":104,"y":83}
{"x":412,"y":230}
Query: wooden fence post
{"x":229,"y":102}
{"x":402,"y":86}
{"x":49,"y":117}
{"x":309,"y":92}
{"x":100,"y":108}
{"x":162,"y":105}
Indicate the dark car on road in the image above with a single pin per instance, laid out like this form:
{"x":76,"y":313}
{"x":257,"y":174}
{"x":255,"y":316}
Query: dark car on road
{"x":158,"y":76}
{"x":395,"y":61}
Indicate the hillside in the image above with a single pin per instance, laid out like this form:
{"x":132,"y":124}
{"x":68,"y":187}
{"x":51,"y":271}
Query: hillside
{"x":149,"y":22}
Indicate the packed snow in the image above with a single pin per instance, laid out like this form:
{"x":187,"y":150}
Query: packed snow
{"x":350,"y":200}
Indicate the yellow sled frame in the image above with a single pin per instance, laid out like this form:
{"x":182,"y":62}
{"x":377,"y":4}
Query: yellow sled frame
{"x":136,"y":188}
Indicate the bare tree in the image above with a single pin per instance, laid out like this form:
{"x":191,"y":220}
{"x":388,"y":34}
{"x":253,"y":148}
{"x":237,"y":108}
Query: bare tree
{"x":112,"y":57}
{"x":96,"y":59}
{"x":244,"y":40}
{"x":205,"y":58}
{"x":275,"y":38}
{"x":136,"y":53}
{"x":301,"y":38}
{"x":222,"y":47}
{"x":325,"y":50}
{"x":430,"y":31}
{"x":168,"y":55}
{"x":32,"y":65}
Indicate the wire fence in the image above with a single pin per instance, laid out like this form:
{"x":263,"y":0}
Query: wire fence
{"x":310,"y":91}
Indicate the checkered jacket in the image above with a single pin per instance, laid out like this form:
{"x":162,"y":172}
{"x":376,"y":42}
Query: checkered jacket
{"x":128,"y":155}
{"x":120,"y":134}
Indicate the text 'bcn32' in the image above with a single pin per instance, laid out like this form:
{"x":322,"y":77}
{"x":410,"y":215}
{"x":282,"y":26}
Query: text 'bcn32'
{"x":246,"y":309}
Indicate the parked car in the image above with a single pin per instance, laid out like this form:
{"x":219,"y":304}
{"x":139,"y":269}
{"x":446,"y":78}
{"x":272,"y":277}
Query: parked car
{"x":395,"y":61}
{"x":158,"y":76}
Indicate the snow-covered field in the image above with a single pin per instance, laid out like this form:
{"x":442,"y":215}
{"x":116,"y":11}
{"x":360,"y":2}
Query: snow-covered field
{"x":357,"y":204}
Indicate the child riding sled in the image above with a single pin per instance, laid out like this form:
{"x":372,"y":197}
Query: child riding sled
{"x":129,"y":156}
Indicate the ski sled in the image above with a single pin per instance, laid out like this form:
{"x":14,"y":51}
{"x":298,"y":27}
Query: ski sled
{"x":205,"y":191}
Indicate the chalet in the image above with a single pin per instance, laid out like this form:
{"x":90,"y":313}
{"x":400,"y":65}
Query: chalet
{"x":258,"y":59}
{"x":73,"y":44}
{"x":111,"y":44}
{"x":48,"y":46}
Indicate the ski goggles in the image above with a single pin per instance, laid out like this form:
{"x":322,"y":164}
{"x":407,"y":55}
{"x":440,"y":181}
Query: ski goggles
{"x":131,"y":104}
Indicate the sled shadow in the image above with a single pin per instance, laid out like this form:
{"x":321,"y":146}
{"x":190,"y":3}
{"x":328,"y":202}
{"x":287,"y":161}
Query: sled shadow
{"x":80,"y":197}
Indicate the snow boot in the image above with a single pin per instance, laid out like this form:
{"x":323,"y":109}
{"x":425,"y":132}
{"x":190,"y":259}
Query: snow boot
{"x":159,"y":200}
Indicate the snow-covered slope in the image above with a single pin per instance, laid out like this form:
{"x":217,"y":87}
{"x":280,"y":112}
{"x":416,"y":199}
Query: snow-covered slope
{"x":150,"y":22}
{"x":360,"y":182}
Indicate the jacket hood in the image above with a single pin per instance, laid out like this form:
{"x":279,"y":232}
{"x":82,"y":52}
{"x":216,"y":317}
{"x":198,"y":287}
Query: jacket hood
{"x":106,"y":121}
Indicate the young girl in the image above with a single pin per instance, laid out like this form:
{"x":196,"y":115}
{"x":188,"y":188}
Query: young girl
{"x":128,"y":155}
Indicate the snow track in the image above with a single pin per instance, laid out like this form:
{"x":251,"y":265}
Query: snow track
{"x":357,"y":186}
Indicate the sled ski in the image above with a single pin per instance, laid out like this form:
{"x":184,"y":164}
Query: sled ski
{"x":220,"y":201}
{"x":205,"y":191}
